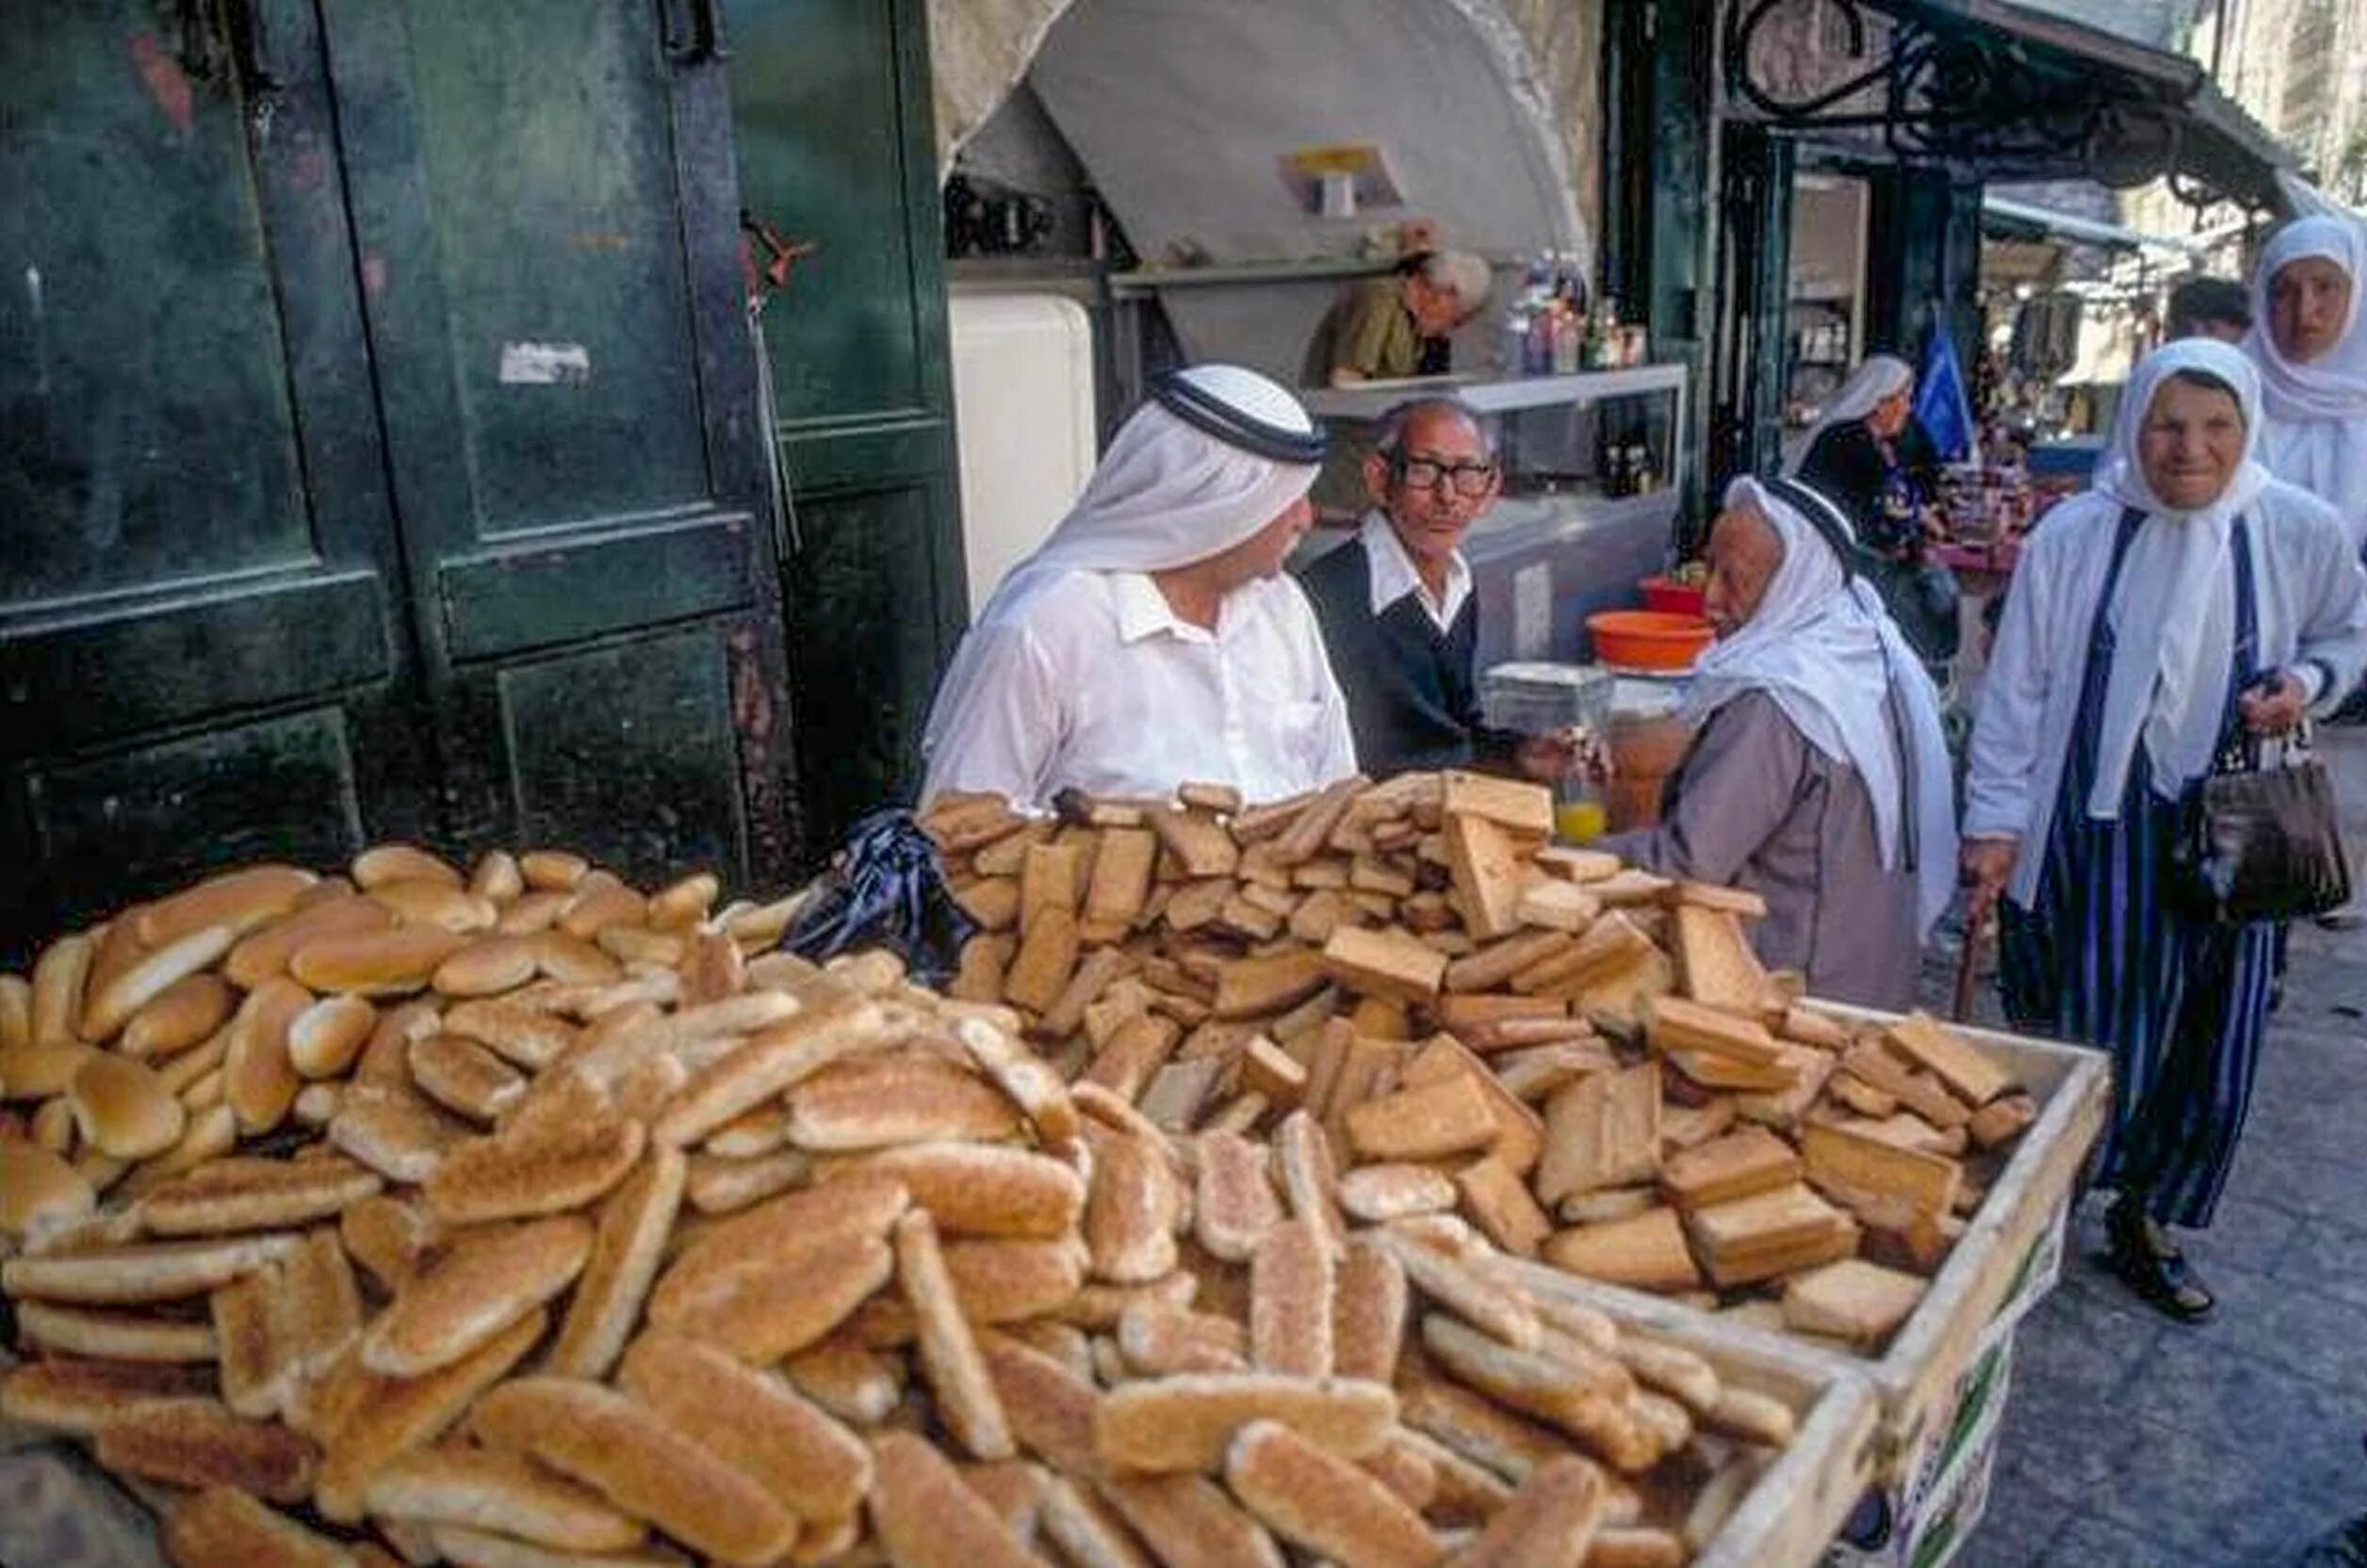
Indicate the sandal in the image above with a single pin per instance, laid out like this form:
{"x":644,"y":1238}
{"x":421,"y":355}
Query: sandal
{"x":2132,"y":1230}
{"x":2151,"y":1264}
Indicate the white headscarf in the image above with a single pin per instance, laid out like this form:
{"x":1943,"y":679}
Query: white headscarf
{"x":1166,"y":494}
{"x":1823,"y":647}
{"x":1880,"y":377}
{"x":2316,"y":434}
{"x":2173,"y":620}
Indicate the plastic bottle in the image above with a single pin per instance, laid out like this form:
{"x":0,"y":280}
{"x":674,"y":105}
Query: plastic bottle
{"x":1513,"y":343}
{"x":1614,"y":336}
{"x":1569,"y":343}
{"x":1540,"y":358}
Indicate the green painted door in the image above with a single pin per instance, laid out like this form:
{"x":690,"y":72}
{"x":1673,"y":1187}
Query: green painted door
{"x":379,"y":446}
{"x":831,"y":112}
{"x":1753,"y":359}
{"x":543,"y":198}
{"x":204,"y":627}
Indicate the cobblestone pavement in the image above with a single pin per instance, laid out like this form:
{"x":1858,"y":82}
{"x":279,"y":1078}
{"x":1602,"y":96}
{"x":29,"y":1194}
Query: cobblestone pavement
{"x":2133,"y":1442}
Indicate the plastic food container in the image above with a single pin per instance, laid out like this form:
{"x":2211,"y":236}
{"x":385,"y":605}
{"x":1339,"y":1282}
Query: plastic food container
{"x":1538,"y":698}
{"x":1668,"y":597}
{"x":1649,"y":639}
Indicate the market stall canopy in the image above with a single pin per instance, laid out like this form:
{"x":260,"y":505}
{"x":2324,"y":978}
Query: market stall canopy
{"x":2002,"y":215}
{"x":1999,"y":91}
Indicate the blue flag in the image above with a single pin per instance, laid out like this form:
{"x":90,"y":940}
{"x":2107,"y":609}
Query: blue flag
{"x":1941,"y":406}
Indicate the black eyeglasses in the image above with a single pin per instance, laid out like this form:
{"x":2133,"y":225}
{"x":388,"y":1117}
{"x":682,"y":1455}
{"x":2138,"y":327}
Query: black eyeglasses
{"x":1468,"y":479}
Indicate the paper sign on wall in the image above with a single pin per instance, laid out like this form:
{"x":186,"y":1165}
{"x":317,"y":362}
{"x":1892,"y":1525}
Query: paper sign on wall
{"x":544,"y":364}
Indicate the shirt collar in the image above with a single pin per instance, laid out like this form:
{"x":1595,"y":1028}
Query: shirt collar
{"x":1143,"y":611}
{"x":1393,"y":575}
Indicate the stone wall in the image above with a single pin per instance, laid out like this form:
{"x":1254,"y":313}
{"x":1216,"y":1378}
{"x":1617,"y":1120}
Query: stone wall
{"x":978,"y":51}
{"x":1563,"y":40}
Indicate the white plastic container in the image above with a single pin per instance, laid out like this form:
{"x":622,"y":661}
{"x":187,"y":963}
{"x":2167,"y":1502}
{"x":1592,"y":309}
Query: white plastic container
{"x":1538,"y":698}
{"x":1023,"y":420}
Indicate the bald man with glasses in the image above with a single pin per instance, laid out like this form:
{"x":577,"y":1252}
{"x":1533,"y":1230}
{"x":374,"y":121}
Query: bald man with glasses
{"x":1395,"y":603}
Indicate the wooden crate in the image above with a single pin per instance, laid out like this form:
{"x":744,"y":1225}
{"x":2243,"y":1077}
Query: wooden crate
{"x":1917,"y":1373}
{"x":1792,"y":1511}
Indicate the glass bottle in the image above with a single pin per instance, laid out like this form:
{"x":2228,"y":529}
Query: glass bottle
{"x":1568,"y":343}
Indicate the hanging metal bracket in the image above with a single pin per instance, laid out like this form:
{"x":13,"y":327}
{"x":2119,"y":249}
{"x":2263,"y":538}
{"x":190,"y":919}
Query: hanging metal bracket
{"x":1928,"y":87}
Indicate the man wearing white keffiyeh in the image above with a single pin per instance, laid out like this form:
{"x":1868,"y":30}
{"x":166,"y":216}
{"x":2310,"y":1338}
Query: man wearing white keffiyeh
{"x":2186,"y":594}
{"x":1818,"y":776}
{"x":1154,"y":639}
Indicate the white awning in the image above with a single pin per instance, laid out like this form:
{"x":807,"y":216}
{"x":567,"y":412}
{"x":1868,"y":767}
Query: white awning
{"x":2087,"y":230}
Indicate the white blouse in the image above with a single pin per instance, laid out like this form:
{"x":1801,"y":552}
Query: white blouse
{"x":1099,"y":686}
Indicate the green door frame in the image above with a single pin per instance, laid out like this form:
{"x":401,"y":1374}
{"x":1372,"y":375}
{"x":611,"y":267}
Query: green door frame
{"x":831,"y":104}
{"x":1754,"y":253}
{"x":1660,"y":155}
{"x":1923,"y":262}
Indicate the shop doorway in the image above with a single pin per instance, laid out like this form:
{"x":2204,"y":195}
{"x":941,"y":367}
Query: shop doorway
{"x":1825,"y":313}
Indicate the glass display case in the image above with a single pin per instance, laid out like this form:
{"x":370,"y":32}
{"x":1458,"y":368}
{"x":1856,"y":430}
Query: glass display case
{"x":1592,"y":468}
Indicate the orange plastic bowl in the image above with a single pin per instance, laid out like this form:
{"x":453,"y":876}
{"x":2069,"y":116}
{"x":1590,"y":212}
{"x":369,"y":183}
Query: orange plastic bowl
{"x":1670,"y":596}
{"x":1649,"y":639}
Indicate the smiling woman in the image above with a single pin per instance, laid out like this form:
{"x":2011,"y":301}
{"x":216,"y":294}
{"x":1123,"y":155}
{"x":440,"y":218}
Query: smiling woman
{"x":2188,"y":595}
{"x":2192,"y":441}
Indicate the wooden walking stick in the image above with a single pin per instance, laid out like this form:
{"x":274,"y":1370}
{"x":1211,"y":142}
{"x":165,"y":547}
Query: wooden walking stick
{"x":1974,"y":933}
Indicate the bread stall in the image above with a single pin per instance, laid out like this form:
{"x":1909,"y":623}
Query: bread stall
{"x":1877,"y":1194}
{"x":517,"y":1214}
{"x":525,"y":1218}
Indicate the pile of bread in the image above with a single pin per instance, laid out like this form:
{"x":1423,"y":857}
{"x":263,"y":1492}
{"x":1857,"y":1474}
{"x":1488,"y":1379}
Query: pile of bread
{"x":520,"y":1220}
{"x":1585,"y":1061}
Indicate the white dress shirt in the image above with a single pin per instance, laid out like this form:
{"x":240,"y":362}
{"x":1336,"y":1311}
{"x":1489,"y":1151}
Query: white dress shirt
{"x":1098,"y":685}
{"x":1394,"y":574}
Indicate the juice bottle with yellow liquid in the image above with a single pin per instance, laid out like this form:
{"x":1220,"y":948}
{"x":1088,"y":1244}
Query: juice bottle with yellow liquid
{"x":1579,"y":814}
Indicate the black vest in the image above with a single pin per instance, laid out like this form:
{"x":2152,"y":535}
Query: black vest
{"x":1413,"y":700}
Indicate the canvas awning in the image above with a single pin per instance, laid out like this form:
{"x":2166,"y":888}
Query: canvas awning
{"x":2004,"y":215}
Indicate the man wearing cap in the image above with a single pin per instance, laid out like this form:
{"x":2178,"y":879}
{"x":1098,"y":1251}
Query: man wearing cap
{"x":1154,"y":639}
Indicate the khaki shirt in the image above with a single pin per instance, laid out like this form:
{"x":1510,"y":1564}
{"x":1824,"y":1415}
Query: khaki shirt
{"x":1368,"y":330}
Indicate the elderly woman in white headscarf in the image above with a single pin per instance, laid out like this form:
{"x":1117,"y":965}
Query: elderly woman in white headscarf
{"x":1818,"y":776}
{"x":1153,"y":640}
{"x":2310,"y":341}
{"x":2190,"y":597}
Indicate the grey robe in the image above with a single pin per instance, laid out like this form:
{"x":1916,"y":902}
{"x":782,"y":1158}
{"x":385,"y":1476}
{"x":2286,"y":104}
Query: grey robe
{"x":1754,"y":805}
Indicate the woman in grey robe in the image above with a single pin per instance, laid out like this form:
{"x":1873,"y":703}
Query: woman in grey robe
{"x":1817,"y":777}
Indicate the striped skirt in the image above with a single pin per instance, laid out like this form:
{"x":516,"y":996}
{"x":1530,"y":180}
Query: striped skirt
{"x":2103,"y":959}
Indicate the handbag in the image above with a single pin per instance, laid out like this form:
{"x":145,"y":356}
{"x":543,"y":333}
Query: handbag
{"x":2263,"y":843}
